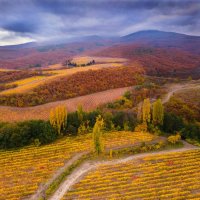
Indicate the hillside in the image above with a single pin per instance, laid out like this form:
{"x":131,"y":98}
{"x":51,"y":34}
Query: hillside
{"x":161,"y":39}
{"x":37,"y":55}
{"x":99,"y":100}
{"x":160,"y":53}
{"x":157,"y":61}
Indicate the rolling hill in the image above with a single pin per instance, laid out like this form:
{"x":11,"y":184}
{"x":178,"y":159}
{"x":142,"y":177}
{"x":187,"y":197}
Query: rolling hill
{"x":33,"y":55}
{"x":159,"y":53}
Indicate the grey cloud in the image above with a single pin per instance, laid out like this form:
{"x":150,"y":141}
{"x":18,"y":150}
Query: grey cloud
{"x":44,"y":18}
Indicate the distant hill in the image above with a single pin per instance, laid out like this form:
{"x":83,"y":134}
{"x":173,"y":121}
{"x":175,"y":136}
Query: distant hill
{"x":165,"y":39}
{"x":160,"y":53}
{"x":28,"y":55}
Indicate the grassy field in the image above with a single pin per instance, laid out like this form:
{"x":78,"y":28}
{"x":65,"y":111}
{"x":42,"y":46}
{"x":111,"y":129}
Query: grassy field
{"x":170,"y":176}
{"x":22,"y":171}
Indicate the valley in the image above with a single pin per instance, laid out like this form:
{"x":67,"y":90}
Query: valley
{"x":101,"y":118}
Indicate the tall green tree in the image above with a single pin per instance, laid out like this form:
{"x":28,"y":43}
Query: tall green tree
{"x":158,"y":112}
{"x":146,"y":111}
{"x":97,"y":135}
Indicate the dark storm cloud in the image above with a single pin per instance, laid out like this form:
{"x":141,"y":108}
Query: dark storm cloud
{"x":21,"y":26}
{"x":41,"y":19}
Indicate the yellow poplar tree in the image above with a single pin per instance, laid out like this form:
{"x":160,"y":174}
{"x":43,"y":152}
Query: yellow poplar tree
{"x":158,"y":112}
{"x":139,"y":112}
{"x":97,"y":135}
{"x":80,"y":113}
{"x":146,"y":111}
{"x":58,"y":119}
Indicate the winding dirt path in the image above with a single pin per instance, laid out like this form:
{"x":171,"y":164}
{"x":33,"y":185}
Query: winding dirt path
{"x":175,"y":88}
{"x":42,"y":188}
{"x":80,"y":172}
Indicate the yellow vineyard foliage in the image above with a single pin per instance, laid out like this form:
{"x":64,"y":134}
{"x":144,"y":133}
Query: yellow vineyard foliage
{"x":23,"y":171}
{"x":169,"y":176}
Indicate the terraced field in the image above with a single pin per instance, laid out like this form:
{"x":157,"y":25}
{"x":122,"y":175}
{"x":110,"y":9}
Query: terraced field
{"x":168,"y":176}
{"x":22,"y":171}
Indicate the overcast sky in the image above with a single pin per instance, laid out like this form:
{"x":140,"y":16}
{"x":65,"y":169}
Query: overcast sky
{"x":38,"y":20}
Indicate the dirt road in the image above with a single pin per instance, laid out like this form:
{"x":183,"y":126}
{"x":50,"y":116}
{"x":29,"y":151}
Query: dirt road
{"x":80,"y":172}
{"x":175,"y":88}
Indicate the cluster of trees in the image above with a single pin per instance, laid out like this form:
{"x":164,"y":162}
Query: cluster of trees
{"x":71,"y":64}
{"x":173,"y":123}
{"x":38,"y":132}
{"x":13,"y":135}
{"x":10,"y":76}
{"x":184,"y":117}
{"x":190,"y":112}
{"x":125,"y":102}
{"x":146,"y":89}
{"x":155,"y":119}
{"x":151,"y":115}
{"x":35,"y":65}
{"x":80,"y":83}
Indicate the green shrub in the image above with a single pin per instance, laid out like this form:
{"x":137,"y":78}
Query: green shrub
{"x":172,"y":123}
{"x":13,"y":135}
{"x":191,"y":131}
{"x":173,"y":139}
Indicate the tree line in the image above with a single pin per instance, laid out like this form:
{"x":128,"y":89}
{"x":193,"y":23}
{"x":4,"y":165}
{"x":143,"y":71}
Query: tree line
{"x":150,"y":117}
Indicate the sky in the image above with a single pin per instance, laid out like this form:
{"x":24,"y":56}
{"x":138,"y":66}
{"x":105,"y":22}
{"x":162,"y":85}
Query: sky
{"x":24,"y":21}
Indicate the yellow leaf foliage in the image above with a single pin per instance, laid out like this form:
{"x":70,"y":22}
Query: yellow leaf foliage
{"x":58,"y":118}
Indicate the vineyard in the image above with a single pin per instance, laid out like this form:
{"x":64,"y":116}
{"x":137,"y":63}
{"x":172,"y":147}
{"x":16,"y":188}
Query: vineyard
{"x":23,"y":170}
{"x":168,"y":176}
{"x":28,"y":84}
{"x":10,"y":76}
{"x":78,"y":84}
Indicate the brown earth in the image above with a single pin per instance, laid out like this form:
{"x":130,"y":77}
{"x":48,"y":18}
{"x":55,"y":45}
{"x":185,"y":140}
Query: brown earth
{"x":88,"y":102}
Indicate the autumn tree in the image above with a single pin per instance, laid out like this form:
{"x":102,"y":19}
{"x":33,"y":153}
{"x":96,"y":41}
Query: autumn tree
{"x":146,"y":111}
{"x":139,"y":112}
{"x":158,"y":112}
{"x":58,"y":119}
{"x":80,"y":113}
{"x":97,"y":135}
